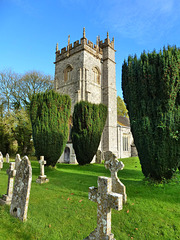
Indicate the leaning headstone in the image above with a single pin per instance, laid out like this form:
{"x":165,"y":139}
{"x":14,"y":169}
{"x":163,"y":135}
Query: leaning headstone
{"x":114,"y":166}
{"x":6,"y":198}
{"x":42,"y":178}
{"x":1,"y":161}
{"x":21,"y":191}
{"x":105,"y":199}
{"x":17,"y":161}
{"x":7,"y":157}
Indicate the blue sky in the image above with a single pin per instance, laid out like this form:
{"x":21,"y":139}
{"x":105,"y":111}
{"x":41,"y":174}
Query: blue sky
{"x":30,"y":29}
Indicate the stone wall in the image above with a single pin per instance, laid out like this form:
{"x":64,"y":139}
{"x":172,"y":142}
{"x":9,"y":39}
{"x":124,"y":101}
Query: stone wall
{"x":92,"y":78}
{"x":124,"y":131}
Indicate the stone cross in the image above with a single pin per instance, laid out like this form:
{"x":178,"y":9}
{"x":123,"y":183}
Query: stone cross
{"x":7,"y":157}
{"x":6,"y":198}
{"x":105,"y":199}
{"x":17,"y":161}
{"x":21,"y":191}
{"x":42,"y":178}
{"x":1,"y":161}
{"x":114,"y":166}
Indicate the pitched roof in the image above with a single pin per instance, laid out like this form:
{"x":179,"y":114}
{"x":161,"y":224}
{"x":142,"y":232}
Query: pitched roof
{"x":123,"y":121}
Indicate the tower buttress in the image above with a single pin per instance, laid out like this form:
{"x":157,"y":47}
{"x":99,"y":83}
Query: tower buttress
{"x":110,"y":96}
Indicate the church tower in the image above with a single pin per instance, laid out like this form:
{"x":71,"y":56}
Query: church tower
{"x":86,"y":71}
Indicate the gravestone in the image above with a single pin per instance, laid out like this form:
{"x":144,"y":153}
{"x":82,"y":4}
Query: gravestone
{"x":17,"y":161}
{"x":7,"y":157}
{"x":42,"y":178}
{"x":1,"y":161}
{"x":99,"y":156}
{"x":105,"y":199}
{"x":6,"y":198}
{"x":134,"y":152}
{"x":21,"y":191}
{"x":114,"y":166}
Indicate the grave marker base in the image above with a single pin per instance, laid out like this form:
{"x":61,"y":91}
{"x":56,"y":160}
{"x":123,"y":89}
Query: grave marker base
{"x":42,"y":179}
{"x":5,"y":200}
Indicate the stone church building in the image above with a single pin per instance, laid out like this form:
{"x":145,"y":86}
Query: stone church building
{"x":87,"y":71}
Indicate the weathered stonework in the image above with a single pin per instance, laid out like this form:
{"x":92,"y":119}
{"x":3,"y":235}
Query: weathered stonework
{"x":21,"y":191}
{"x":86,"y":71}
{"x":42,"y":178}
{"x":99,"y":156}
{"x":114,"y":166}
{"x":6,"y":198}
{"x":105,"y":199}
{"x":1,"y":161}
{"x":134,"y":152}
{"x":17,"y":161}
{"x":7,"y":157}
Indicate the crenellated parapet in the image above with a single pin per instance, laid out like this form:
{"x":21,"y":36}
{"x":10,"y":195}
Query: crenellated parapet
{"x":84,"y":44}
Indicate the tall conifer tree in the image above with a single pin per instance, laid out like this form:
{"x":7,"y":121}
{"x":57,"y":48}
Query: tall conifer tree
{"x":88,"y":124}
{"x":151,"y":87}
{"x":50,"y":113}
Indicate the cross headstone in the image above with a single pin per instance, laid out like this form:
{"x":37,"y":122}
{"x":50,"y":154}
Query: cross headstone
{"x":6,"y":198}
{"x":7,"y":157}
{"x":1,"y":161}
{"x":21,"y":191}
{"x":114,"y":166}
{"x":17,"y":161}
{"x":105,"y":199}
{"x":42,"y":178}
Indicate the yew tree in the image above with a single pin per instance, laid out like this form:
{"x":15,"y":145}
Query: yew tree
{"x":88,"y":124}
{"x":151,"y":87}
{"x":50,"y":113}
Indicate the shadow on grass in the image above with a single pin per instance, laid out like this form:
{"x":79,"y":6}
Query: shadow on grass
{"x":84,"y":177}
{"x":96,"y":168}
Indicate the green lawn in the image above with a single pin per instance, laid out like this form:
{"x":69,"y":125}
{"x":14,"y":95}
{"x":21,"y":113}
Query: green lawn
{"x":60,"y":209}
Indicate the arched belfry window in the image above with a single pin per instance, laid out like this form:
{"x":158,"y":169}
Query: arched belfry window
{"x":96,"y":75}
{"x":68,"y":73}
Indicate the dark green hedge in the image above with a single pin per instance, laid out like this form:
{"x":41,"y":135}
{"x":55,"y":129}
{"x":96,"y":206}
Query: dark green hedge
{"x":88,"y":124}
{"x":151,"y":91}
{"x":50,"y":114}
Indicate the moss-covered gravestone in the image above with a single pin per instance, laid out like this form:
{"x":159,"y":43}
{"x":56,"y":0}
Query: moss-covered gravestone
{"x":6,"y":198}
{"x":105,"y":199}
{"x":21,"y":192}
{"x":114,"y":166}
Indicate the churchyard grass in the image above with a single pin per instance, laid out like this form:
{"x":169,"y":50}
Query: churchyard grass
{"x":60,"y":209}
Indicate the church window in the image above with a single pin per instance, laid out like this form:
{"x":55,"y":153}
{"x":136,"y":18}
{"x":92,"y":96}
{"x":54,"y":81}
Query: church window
{"x":96,"y":75}
{"x":125,"y":143}
{"x":68,"y":73}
